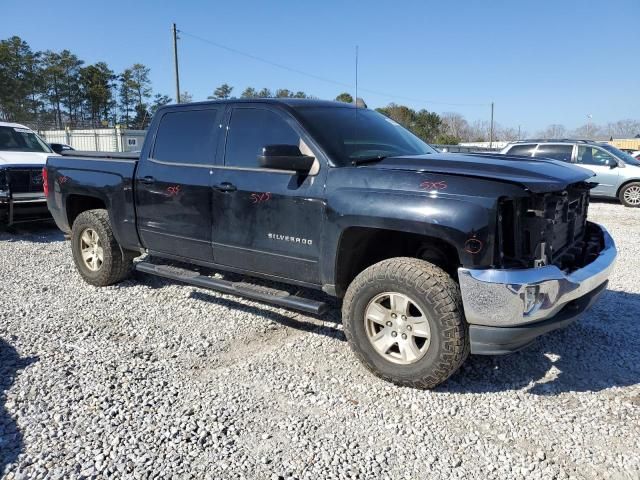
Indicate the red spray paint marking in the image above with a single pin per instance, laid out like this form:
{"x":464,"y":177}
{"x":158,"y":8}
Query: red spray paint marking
{"x":173,"y":191}
{"x":431,"y":185}
{"x":260,"y":197}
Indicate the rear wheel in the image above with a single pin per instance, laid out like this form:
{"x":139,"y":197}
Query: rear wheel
{"x":403,"y":319}
{"x":630,"y":195}
{"x":96,"y":252}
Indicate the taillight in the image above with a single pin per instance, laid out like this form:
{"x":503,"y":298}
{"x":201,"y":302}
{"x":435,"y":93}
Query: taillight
{"x":45,"y":181}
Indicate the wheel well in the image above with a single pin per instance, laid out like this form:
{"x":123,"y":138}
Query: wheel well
{"x":76,"y":204}
{"x":361,"y":247}
{"x":625,"y":184}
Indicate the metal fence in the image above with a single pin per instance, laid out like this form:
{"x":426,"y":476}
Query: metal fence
{"x":96,"y":139}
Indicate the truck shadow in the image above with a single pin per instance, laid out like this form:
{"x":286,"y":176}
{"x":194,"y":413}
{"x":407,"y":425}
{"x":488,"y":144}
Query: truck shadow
{"x":11,"y":443}
{"x":39,"y":232}
{"x":326,"y":324}
{"x":300,"y":321}
{"x":600,"y":351}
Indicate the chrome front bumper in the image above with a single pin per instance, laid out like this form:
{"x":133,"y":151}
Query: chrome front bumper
{"x":509,"y":298}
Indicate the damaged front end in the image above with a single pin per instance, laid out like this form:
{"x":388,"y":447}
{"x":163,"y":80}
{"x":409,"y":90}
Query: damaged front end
{"x":552,"y":264}
{"x":547,"y":229}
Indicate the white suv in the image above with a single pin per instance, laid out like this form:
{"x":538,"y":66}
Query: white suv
{"x":22,"y":155}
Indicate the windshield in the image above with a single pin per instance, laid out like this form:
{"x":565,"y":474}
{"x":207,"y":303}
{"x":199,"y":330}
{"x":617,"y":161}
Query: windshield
{"x":620,"y":154}
{"x":350,"y":134}
{"x":16,"y":139}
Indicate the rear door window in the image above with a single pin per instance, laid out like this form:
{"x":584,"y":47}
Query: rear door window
{"x":526,"y":150}
{"x":188,"y":136}
{"x":555,"y":152}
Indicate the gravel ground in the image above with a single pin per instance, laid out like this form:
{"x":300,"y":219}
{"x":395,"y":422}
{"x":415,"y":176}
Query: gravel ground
{"x":153,"y":379}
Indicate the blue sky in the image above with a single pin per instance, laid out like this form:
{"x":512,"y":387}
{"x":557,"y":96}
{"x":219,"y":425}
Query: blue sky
{"x":541,"y":62}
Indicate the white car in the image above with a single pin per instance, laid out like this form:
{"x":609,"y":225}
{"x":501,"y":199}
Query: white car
{"x":22,"y":155}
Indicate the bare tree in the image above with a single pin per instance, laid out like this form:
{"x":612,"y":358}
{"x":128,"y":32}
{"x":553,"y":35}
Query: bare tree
{"x":588,"y":131}
{"x":480,"y":131}
{"x":626,"y":128}
{"x":507,"y":134}
{"x":555,"y":130}
{"x":455,"y":125}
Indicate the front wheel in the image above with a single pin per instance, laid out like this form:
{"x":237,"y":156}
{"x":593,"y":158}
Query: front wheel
{"x":630,"y":195}
{"x":403,"y":319}
{"x":96,"y":252}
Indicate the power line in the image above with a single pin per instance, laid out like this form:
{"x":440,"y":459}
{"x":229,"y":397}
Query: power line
{"x":325,"y":79}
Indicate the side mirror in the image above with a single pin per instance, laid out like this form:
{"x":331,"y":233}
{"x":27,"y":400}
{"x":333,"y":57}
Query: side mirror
{"x":613,"y":163}
{"x":56,"y":147}
{"x":285,"y":157}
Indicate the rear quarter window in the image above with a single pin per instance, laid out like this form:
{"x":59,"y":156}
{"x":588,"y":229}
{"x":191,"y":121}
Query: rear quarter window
{"x":526,"y":150}
{"x":555,"y":152}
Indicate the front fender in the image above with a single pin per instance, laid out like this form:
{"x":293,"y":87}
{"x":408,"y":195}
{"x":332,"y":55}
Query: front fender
{"x":458,"y":210}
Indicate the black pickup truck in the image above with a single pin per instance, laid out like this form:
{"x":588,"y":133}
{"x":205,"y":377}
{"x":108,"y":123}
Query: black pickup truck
{"x":434,"y":255}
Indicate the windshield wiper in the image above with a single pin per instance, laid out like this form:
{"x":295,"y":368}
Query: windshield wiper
{"x":360,"y":161}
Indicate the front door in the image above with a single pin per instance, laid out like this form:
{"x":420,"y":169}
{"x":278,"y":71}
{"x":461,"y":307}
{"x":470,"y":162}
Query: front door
{"x":267,"y":221}
{"x":173,"y":185}
{"x":604,"y":165}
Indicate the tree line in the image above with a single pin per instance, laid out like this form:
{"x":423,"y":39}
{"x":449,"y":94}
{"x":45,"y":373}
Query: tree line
{"x":58,"y":89}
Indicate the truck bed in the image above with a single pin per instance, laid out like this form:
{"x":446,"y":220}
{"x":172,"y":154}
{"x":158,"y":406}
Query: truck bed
{"x":99,"y":179}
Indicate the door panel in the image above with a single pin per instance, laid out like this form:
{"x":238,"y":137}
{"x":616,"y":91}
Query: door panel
{"x":274,"y":231}
{"x":173,"y":185}
{"x":271,"y":221}
{"x":603,"y":165}
{"x":174,"y":212}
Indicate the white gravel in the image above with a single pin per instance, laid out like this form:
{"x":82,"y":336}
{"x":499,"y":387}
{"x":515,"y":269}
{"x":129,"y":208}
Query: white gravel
{"x":152,"y":379}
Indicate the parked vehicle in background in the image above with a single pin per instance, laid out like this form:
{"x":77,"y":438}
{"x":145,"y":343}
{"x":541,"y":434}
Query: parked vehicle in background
{"x":61,"y":147}
{"x":436,"y":255}
{"x":23,"y":154}
{"x":617,"y":173}
{"x":636,"y":154}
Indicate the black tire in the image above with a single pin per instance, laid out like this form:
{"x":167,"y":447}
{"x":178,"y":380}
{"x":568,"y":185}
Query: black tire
{"x":633,"y":186}
{"x":115,"y":266}
{"x":436,"y":294}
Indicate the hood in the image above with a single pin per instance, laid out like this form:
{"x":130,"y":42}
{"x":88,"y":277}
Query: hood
{"x":536,"y":175}
{"x":8,"y":158}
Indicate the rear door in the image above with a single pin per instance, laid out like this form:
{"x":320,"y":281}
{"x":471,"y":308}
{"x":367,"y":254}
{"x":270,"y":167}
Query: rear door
{"x":267,"y":221}
{"x":604,"y":165}
{"x":173,"y":185}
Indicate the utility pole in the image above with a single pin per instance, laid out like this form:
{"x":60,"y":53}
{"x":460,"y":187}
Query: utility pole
{"x":491,"y":128}
{"x":174,"y":31}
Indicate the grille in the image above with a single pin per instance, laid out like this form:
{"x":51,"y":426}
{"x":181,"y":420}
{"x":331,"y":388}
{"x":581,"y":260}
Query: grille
{"x":545,"y":229}
{"x":25,"y":180}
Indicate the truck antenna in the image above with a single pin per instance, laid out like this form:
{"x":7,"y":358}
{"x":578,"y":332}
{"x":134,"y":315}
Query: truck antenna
{"x":356,"y":99}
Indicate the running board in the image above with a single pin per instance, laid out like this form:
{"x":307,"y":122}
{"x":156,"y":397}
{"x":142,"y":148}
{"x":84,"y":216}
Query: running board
{"x":254,"y":292}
